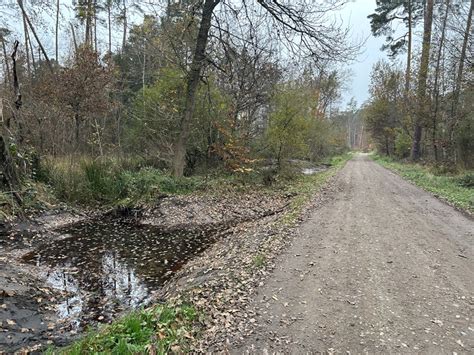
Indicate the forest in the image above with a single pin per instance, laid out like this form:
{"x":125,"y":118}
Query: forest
{"x":182,"y":176}
{"x":424,"y":110}
{"x":174,"y":94}
{"x":93,"y":89}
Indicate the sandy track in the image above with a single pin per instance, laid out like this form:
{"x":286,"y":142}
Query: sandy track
{"x":383,"y":267}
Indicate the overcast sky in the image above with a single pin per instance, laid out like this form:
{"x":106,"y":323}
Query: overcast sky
{"x":355,"y":15}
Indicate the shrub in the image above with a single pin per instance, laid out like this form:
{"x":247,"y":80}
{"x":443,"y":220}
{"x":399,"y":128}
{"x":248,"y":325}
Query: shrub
{"x":467,"y":180}
{"x":441,"y":169}
{"x":402,"y":145}
{"x":110,"y":180}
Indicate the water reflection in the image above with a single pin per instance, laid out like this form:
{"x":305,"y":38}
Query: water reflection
{"x":105,"y":266}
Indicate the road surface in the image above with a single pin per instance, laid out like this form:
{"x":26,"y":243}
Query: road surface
{"x":383,"y":267}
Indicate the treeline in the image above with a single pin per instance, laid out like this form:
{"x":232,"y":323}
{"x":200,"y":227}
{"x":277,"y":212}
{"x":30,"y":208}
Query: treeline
{"x":192,"y":86}
{"x":426,"y":109}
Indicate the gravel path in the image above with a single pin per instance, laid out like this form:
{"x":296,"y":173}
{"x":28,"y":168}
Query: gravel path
{"x":383,"y":267}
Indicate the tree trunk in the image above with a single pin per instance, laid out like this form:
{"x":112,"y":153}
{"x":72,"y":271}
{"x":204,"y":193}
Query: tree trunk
{"x":467,"y":32}
{"x":88,"y":31}
{"x":457,"y":88}
{"x":16,"y":85}
{"x":77,"y":134}
{"x":5,"y":57}
{"x":33,"y":61}
{"x":410,"y":32}
{"x":56,"y":44}
{"x":95,"y":26}
{"x":73,"y":33}
{"x":20,"y":3}
{"x":193,"y":78}
{"x":124,"y":38}
{"x":436,"y":81}
{"x":27,"y":52}
{"x":7,"y":166}
{"x":422,"y":78}
{"x":109,"y":20}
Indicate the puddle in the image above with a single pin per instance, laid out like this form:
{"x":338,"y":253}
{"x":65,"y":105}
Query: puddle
{"x":314,"y":170}
{"x":103,"y":267}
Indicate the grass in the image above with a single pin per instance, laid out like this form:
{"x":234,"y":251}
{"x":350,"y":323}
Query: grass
{"x":455,"y":188}
{"x":111,"y":181}
{"x":158,"y":330}
{"x":259,"y":260}
{"x":35,"y":196}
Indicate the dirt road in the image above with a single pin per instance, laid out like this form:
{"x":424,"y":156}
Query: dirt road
{"x":383,"y":267}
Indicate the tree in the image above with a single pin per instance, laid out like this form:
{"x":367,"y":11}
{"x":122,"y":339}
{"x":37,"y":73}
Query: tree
{"x":28,"y":21}
{"x":423,"y":110}
{"x":4,"y":32}
{"x":295,"y":18}
{"x":459,"y":75}
{"x":382,"y":114}
{"x":289,"y":123}
{"x":388,"y":12}
{"x":192,"y":86}
{"x":436,"y":90}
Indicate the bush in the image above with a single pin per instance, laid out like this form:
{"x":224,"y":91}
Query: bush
{"x":443,"y":169}
{"x":466,"y":180}
{"x":402,"y":145}
{"x":109,"y":180}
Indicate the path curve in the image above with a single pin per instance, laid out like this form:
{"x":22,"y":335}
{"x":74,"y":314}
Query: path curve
{"x":382,"y":267}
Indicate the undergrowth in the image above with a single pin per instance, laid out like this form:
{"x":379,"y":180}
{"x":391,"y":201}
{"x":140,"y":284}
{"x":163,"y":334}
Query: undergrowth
{"x":110,"y":181}
{"x":455,"y":187}
{"x":113,"y":181}
{"x":158,"y":330}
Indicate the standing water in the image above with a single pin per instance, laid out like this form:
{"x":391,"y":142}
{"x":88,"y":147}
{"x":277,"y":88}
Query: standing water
{"x":106,"y":266}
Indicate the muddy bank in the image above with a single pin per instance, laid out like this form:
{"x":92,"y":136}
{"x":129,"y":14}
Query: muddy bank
{"x":223,"y":280}
{"x":204,"y":210}
{"x":63,"y":272}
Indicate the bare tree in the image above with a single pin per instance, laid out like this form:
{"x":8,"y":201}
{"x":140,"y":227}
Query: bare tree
{"x":56,"y":33}
{"x":40,"y":45}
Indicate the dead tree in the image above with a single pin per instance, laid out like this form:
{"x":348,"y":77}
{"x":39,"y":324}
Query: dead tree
{"x":8,"y":171}
{"x":25,"y":15}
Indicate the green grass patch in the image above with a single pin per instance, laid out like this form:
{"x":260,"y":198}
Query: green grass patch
{"x":456,"y":188}
{"x":160,"y":330}
{"x":259,"y":260}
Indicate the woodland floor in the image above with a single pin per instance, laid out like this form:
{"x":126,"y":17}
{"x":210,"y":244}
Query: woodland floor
{"x":380,"y":267}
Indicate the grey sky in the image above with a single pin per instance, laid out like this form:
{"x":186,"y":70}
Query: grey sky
{"x":355,"y":15}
